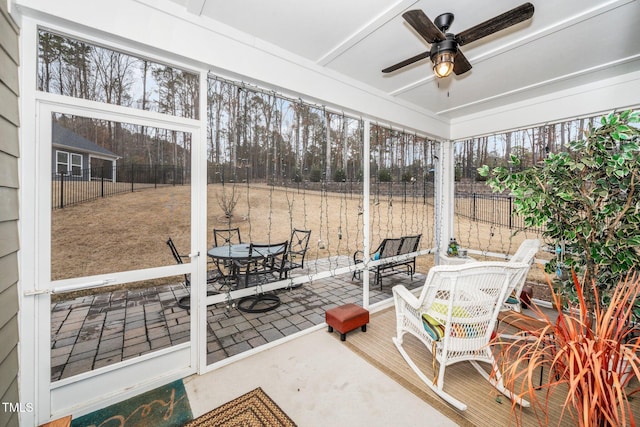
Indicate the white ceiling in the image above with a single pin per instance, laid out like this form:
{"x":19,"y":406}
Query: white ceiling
{"x":566,"y":43}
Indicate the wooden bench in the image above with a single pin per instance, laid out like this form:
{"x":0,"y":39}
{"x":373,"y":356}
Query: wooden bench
{"x":388,"y":248}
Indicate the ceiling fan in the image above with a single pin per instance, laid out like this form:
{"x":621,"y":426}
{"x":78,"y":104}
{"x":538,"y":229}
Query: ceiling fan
{"x":444,"y":52}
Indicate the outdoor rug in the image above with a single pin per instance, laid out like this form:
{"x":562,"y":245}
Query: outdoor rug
{"x":485,"y":405}
{"x":252,"y":409}
{"x":166,"y":406}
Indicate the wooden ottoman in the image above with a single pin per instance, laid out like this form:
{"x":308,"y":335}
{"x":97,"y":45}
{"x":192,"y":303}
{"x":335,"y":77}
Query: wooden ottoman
{"x":346,"y":318}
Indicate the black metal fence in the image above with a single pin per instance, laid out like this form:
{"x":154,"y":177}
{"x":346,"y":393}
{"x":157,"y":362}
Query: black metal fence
{"x":93,"y":183}
{"x":496,"y":209}
{"x":398,"y":191}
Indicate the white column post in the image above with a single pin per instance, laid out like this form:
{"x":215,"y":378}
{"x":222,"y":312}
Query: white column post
{"x":327,"y":166}
{"x":444,"y":196}
{"x":199,"y":189}
{"x":366,"y":157}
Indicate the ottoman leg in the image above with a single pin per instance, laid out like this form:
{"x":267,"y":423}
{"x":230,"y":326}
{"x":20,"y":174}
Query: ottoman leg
{"x":330,"y":328}
{"x":364,"y":328}
{"x":343,"y":337}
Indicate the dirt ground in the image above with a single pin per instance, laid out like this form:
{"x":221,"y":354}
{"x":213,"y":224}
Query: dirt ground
{"x":129,"y":231}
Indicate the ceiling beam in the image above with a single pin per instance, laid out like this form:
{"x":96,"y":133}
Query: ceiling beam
{"x":195,"y":6}
{"x":365,"y":31}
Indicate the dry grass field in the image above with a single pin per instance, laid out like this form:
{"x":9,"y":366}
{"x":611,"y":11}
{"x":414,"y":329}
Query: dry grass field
{"x":129,"y":231}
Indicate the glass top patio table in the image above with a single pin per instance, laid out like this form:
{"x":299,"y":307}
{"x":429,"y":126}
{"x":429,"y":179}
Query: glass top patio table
{"x":241,"y":251}
{"x":261,"y":302}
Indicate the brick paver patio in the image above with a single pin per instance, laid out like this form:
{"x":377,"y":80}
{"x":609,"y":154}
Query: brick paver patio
{"x":95,"y":331}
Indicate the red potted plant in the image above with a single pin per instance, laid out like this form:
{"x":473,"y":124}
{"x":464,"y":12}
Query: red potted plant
{"x":593,"y":356}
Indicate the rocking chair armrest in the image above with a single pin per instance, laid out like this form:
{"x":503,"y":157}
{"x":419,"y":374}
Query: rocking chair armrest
{"x":402,"y":293}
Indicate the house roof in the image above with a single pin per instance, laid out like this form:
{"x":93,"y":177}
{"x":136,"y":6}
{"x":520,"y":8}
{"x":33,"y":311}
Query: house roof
{"x":65,"y":138}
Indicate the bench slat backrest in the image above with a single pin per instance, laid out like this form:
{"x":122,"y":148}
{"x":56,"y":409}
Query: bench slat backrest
{"x":390,"y":247}
{"x":409,"y":244}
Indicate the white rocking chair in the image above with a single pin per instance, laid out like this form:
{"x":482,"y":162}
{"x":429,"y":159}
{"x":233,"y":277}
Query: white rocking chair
{"x":455,"y":316}
{"x":526,"y":253}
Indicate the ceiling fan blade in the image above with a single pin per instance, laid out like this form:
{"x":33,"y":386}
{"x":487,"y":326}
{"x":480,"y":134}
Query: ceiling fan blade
{"x":423,"y":25}
{"x":500,"y":22}
{"x":460,"y":64}
{"x":406,"y":62}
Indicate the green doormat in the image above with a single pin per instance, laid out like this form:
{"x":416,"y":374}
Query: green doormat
{"x":166,"y":406}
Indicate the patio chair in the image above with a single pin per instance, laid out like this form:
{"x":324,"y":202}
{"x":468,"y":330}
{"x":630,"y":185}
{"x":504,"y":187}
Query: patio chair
{"x":222,"y":237}
{"x":212,"y":275}
{"x":298,"y":245}
{"x":264,"y":264}
{"x":526,"y":253}
{"x":226,"y":236}
{"x":454,"y":317}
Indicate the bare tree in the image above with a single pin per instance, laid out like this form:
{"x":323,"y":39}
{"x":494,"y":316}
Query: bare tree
{"x":227,"y":200}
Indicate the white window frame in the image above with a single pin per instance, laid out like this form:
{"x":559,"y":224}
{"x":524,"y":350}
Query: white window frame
{"x":69,"y":163}
{"x":72,"y":165}
{"x":59,"y":163}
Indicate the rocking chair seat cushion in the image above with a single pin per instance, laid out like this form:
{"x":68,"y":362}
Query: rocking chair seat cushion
{"x":434,"y":328}
{"x":442,"y":308}
{"x":512,"y":300}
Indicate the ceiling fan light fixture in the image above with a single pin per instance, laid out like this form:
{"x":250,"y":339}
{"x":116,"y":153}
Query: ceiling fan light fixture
{"x":444,"y":51}
{"x":443,"y":63}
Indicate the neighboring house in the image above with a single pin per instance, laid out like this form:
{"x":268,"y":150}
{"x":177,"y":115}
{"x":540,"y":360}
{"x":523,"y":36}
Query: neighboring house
{"x":76,"y":156}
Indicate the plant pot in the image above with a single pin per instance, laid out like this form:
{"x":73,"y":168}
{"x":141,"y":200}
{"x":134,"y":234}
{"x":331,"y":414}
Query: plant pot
{"x":526,"y":295}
